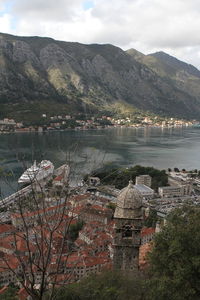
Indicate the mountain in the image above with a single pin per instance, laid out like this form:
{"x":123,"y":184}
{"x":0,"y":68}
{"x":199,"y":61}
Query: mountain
{"x":44,"y":75}
{"x":183,"y":76}
{"x":175,"y":63}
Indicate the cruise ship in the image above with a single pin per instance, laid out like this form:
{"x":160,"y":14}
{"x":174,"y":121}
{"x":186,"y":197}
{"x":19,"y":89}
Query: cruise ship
{"x":37,"y":172}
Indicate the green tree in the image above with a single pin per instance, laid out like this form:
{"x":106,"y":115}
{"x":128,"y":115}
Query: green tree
{"x":74,"y":230}
{"x":105,"y":286}
{"x":9,"y":294}
{"x":175,"y":258}
{"x":151,"y":220}
{"x":120,"y":177}
{"x":112,"y":206}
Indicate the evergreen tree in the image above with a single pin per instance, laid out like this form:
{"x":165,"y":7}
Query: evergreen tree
{"x":175,"y":259}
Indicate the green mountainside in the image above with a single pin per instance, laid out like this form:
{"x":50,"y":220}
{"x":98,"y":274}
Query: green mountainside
{"x":39,"y":75}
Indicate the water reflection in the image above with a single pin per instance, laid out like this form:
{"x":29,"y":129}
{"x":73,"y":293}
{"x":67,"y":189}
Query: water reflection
{"x":88,"y":150}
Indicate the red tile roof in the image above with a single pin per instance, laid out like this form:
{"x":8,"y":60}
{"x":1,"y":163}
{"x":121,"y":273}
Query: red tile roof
{"x":147,"y":231}
{"x":12,"y":242}
{"x":144,"y":250}
{"x":8,"y":262}
{"x":58,"y":178}
{"x":39,"y":212}
{"x":6,"y":228}
{"x":22,"y":294}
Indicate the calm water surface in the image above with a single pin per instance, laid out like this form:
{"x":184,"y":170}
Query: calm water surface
{"x":88,"y":150}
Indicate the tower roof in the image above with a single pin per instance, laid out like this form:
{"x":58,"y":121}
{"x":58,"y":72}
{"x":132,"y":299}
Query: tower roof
{"x":129,"y":203}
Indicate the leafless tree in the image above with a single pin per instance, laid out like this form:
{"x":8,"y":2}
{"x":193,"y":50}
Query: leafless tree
{"x":40,"y":241}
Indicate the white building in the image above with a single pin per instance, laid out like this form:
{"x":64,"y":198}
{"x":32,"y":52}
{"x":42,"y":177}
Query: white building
{"x":170,"y":191}
{"x":143,"y":179}
{"x":175,"y":191}
{"x":144,"y":190}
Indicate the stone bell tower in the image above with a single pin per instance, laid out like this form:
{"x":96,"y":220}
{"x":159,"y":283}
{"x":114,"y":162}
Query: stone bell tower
{"x":128,"y":224}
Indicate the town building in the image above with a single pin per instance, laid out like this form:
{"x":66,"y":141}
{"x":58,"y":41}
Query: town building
{"x":144,"y":190}
{"x":174,"y":191}
{"x":6,"y":229}
{"x":144,"y":250}
{"x":147,"y":235}
{"x":143,"y":179}
{"x":33,"y":218}
{"x":96,"y":213}
{"x":181,"y":180}
{"x":128,"y":224}
{"x":81,"y":265}
{"x":7,"y":276}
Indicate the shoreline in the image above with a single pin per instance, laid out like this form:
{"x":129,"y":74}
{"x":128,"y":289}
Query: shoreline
{"x":103,"y":128}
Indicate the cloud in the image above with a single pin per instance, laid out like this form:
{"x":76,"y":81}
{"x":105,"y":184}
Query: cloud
{"x":156,"y":23}
{"x":51,"y":10}
{"x":146,"y":25}
{"x":5,"y":23}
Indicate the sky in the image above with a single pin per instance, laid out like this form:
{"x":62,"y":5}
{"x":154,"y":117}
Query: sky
{"x":148,"y":26}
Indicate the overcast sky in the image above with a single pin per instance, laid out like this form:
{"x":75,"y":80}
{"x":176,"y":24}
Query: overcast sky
{"x":146,"y":25}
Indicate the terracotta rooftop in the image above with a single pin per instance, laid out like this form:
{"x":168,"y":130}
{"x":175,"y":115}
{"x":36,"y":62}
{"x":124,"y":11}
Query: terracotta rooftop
{"x":22,"y":294}
{"x":8,"y":262}
{"x":58,"y":178}
{"x":147,"y":231}
{"x":39,"y":212}
{"x":144,"y":250}
{"x":11,"y":242}
{"x":6,"y":228}
{"x":77,"y":261}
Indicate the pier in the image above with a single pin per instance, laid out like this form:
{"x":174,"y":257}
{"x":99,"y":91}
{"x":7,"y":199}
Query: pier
{"x":16,"y":196}
{"x":35,"y":186}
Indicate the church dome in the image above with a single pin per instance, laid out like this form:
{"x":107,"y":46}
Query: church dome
{"x":129,"y":203}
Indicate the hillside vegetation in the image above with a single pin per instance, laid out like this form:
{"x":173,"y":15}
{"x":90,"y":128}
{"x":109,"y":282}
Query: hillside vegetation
{"x":119,"y":177}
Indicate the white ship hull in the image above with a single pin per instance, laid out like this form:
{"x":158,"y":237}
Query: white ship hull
{"x":37,"y":172}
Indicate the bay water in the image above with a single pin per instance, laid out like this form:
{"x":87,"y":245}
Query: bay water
{"x":93,"y":149}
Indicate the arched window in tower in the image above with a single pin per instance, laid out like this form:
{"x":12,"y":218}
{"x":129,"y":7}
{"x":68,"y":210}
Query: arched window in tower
{"x":127,"y":230}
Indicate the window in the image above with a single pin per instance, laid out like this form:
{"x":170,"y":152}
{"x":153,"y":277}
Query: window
{"x":127,"y":231}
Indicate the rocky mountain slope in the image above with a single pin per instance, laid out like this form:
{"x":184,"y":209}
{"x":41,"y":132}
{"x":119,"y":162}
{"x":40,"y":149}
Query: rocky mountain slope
{"x":183,"y":76}
{"x":42,"y":72}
